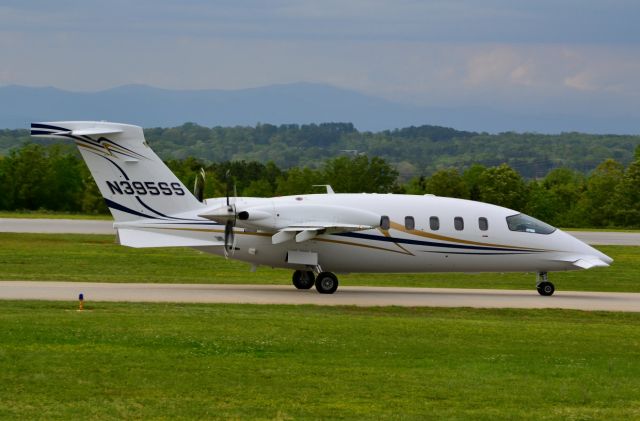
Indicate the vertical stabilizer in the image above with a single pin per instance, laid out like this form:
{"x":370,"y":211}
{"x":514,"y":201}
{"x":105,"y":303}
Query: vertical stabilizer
{"x":133,"y":180}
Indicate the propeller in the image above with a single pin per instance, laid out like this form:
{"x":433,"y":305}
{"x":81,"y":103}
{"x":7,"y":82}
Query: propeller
{"x":229,"y":236}
{"x":198,"y":185}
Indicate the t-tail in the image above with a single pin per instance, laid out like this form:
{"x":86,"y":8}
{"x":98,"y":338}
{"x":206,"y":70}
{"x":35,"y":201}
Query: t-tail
{"x":137,"y":186}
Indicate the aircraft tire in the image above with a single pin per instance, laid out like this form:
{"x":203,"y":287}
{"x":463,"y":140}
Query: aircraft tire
{"x":546,"y":289}
{"x":303,"y":279}
{"x":326,"y":283}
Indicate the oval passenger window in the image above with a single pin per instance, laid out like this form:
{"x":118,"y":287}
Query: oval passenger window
{"x":409,"y":222}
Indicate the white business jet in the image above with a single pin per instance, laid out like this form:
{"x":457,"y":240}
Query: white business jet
{"x":315,"y":235}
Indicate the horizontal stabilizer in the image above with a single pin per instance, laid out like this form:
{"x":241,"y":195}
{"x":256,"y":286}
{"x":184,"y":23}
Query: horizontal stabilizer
{"x":95,"y":132}
{"x":139,"y":238}
{"x":74,"y":128}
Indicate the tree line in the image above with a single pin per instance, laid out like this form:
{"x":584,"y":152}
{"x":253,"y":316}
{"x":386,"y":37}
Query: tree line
{"x":412,"y":150}
{"x":54,"y":178}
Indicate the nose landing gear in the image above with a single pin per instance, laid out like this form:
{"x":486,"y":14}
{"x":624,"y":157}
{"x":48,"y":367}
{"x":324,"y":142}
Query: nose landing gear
{"x":543,"y":285}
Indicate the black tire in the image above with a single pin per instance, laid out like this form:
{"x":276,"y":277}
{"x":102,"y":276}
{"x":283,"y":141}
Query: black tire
{"x":546,"y":289}
{"x":303,"y":279}
{"x":326,"y":283}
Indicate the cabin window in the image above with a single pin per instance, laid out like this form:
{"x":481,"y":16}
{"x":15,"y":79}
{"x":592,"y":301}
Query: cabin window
{"x":385,"y":224}
{"x":525,"y":223}
{"x":409,"y":222}
{"x":483,"y":224}
{"x":458,"y":223}
{"x":434,"y":223}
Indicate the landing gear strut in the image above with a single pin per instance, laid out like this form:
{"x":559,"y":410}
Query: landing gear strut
{"x":303,"y":279}
{"x":544,"y":287}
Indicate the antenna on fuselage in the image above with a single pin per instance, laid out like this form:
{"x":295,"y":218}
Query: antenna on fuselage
{"x":327,"y":186}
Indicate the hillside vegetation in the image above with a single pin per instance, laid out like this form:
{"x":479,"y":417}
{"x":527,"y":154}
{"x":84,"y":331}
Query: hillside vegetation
{"x":412,"y":150}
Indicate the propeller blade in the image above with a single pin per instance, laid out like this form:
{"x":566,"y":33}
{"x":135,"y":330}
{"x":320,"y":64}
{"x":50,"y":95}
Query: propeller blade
{"x":229,"y":238}
{"x":227,"y":176}
{"x":198,"y":185}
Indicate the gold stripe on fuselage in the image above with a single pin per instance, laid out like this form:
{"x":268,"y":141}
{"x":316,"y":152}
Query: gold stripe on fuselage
{"x":417,"y":233}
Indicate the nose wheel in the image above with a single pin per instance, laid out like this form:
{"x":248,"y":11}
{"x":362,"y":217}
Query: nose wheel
{"x":544,"y":287}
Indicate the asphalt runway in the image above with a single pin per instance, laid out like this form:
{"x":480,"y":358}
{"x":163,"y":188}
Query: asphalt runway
{"x":282,"y":294}
{"x":81,"y":226}
{"x":57,"y":226}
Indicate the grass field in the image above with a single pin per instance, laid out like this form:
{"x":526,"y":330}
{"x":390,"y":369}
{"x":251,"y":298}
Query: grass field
{"x":146,"y":361}
{"x":95,"y":258}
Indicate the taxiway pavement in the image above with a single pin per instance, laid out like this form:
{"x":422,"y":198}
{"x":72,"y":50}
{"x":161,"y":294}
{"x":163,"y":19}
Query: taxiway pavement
{"x":282,"y":294}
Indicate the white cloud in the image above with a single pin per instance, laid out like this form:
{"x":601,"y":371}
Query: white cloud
{"x":581,"y":81}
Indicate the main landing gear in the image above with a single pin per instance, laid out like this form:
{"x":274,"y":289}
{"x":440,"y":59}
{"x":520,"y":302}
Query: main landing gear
{"x":543,"y":285}
{"x":303,"y":279}
{"x":325,"y":282}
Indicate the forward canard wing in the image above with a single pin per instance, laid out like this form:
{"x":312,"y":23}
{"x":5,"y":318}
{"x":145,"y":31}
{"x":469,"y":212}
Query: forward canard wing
{"x":583,"y":261}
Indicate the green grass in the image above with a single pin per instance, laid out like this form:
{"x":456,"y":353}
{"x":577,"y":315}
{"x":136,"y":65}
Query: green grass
{"x":168,"y":361}
{"x":53,"y":215}
{"x":95,"y":258}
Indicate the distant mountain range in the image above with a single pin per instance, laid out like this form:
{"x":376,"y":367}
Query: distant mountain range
{"x":297,"y":103}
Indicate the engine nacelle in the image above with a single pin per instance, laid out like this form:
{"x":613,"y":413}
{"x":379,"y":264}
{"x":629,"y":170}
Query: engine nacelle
{"x":275,"y":218}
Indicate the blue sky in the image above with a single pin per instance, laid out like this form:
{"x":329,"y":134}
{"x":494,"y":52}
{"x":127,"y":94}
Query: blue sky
{"x":540,"y":56}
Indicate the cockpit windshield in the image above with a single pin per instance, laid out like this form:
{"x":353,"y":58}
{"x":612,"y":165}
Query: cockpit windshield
{"x":525,"y":223}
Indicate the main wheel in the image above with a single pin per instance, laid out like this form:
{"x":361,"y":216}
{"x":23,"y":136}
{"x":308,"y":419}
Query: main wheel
{"x":546,"y":288}
{"x":303,"y":279}
{"x":326,"y":283}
